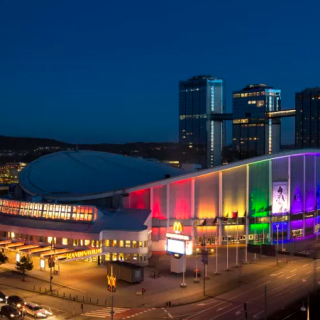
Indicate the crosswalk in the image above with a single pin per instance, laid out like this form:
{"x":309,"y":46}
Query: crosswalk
{"x":104,"y":313}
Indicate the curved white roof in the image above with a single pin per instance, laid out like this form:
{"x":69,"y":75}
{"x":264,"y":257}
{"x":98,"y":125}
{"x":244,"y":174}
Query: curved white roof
{"x":75,"y":175}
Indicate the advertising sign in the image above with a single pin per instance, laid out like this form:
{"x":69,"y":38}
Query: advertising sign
{"x":176,"y":246}
{"x":280,"y":197}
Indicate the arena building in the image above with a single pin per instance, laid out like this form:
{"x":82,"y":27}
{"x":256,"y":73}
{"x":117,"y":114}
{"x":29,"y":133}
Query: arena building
{"x":122,"y":208}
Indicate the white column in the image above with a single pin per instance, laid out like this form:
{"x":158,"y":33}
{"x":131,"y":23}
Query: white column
{"x":289,"y":199}
{"x":168,"y":207}
{"x":270,"y":202}
{"x":247,"y":214}
{"x":220,"y":208}
{"x":304,"y":195}
{"x":192,"y":208}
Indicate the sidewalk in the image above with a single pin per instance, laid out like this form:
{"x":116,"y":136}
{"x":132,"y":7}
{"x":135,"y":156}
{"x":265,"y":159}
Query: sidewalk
{"x":84,"y":281}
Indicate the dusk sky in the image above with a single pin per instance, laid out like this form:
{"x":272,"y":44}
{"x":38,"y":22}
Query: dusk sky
{"x":108,"y":71}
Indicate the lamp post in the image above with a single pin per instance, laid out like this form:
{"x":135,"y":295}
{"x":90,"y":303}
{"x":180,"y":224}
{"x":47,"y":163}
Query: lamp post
{"x":277,"y":237}
{"x":237,"y":245}
{"x":282,"y":234}
{"x":227,"y":249}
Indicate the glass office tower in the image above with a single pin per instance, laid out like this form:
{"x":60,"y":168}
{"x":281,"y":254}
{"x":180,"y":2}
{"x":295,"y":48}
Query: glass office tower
{"x":199,"y":135}
{"x":307,"y":104}
{"x":255,"y":134}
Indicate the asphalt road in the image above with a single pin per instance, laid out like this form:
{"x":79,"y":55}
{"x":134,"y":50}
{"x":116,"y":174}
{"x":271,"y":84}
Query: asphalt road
{"x":283,"y":287}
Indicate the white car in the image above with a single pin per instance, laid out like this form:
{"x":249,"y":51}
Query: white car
{"x":35,"y":310}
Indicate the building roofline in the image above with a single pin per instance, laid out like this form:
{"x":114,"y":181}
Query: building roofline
{"x":233,"y":165}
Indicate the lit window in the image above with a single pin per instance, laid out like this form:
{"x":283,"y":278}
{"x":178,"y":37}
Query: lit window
{"x":260,"y":103}
{"x":86,"y":242}
{"x":128,"y":256}
{"x":121,"y":243}
{"x":121,"y":257}
{"x":107,"y":256}
{"x":92,"y":243}
{"x":128,"y":244}
{"x":114,"y":256}
{"x":140,"y":244}
{"x":134,"y":244}
{"x":135,"y":256}
{"x":65,"y":241}
{"x":145,"y":244}
{"x":114,"y":243}
{"x":75,"y":242}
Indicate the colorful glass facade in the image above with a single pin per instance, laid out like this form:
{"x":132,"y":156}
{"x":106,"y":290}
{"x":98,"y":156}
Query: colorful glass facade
{"x":260,"y":200}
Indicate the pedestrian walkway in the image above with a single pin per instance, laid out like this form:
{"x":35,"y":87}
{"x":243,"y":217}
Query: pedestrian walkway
{"x":104,"y":313}
{"x":135,"y":313}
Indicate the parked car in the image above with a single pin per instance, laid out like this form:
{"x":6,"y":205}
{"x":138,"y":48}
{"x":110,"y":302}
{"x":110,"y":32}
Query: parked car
{"x":3,"y":297}
{"x":35,"y":310}
{"x":10,"y":312}
{"x":15,"y":301}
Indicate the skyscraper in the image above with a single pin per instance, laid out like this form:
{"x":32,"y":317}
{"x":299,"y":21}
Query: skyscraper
{"x":307,"y":104}
{"x":255,"y":133}
{"x":200,"y":134}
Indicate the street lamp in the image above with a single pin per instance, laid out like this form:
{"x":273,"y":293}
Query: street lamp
{"x":303,"y":308}
{"x":277,"y":237}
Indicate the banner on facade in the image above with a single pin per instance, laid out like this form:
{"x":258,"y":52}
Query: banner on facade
{"x":280,"y":197}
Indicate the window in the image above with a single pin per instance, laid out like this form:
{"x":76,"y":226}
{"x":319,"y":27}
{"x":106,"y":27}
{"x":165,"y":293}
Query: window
{"x":86,"y":242}
{"x":81,"y":242}
{"x":51,"y":239}
{"x":121,"y":243}
{"x":92,"y":243}
{"x":128,"y":244}
{"x":135,"y":257}
{"x":140,"y":244}
{"x":145,"y":244}
{"x":134,"y":244}
{"x":144,"y":258}
{"x":107,"y":256}
{"x":260,"y":103}
{"x":107,"y":243}
{"x":65,"y":241}
{"x":128,"y":256}
{"x":121,"y":256}
{"x":75,"y":242}
{"x":140,"y":257}
{"x":114,"y":243}
{"x":114,"y":256}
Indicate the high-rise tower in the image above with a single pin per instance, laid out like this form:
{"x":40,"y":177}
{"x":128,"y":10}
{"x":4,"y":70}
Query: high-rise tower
{"x":200,"y":134}
{"x":255,"y":131}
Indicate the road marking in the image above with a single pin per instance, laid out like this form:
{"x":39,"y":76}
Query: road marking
{"x":201,"y":304}
{"x":104,"y":313}
{"x":291,"y":276}
{"x":237,"y":313}
{"x":308,"y":272}
{"x":275,"y":274}
{"x":168,"y":313}
{"x":196,"y":314}
{"x":304,"y":280}
{"x":293,"y":270}
{"x":281,"y":276}
{"x":305,"y":265}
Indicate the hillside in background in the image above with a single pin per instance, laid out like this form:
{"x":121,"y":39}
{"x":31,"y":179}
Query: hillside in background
{"x":13,"y":149}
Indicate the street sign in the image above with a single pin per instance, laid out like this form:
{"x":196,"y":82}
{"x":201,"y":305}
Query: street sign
{"x":204,"y":256}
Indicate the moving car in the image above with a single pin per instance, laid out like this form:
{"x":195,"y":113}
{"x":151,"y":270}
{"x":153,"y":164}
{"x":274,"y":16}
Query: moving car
{"x":3,"y":297}
{"x":10,"y":312}
{"x":15,"y":301}
{"x":47,"y":310}
{"x":35,"y":310}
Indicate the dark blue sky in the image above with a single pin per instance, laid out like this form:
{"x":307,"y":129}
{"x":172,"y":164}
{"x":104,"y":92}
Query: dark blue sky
{"x":108,"y":71}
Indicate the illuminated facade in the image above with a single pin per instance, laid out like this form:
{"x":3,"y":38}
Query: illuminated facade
{"x":254,"y":133}
{"x":200,"y":135}
{"x":255,"y":198}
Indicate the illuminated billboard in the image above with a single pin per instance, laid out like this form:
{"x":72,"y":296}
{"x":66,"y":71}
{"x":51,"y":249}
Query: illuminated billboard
{"x":176,"y":246}
{"x":280,"y":197}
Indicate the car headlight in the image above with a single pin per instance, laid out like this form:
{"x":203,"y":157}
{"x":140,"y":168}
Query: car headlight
{"x":40,"y":314}
{"x":48,"y":312}
{"x":19,"y":305}
{"x":12,"y":315}
{"x":1,"y":299}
